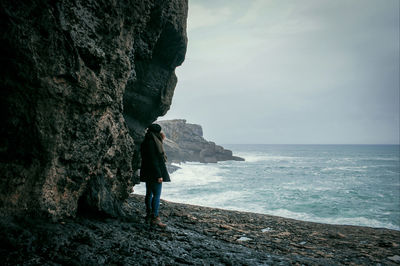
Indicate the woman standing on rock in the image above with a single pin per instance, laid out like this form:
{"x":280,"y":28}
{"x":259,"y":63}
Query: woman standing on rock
{"x":153,"y":171}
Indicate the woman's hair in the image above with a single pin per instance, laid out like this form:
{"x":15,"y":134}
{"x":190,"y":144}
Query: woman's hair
{"x":156,"y":128}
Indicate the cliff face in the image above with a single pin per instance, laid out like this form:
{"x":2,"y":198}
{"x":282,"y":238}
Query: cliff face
{"x":185,"y":142}
{"x":72,"y":73}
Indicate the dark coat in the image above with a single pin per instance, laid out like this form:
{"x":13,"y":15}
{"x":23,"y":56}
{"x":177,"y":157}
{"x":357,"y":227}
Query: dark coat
{"x":153,"y":164}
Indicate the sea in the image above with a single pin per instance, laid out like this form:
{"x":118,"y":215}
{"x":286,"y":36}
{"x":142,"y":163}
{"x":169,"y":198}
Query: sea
{"x":333,"y":184}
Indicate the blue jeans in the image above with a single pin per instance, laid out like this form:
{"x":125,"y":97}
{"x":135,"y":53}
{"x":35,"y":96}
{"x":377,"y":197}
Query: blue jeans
{"x":152,"y":199}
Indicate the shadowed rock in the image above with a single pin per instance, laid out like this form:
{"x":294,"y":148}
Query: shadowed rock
{"x":72,"y":73}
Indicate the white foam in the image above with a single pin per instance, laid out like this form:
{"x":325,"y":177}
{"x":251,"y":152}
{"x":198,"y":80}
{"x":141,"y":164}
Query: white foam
{"x":189,"y":175}
{"x":396,"y":159}
{"x":346,"y":168}
{"x":305,"y":187}
{"x":261,"y":157}
{"x":216,"y":200}
{"x":360,"y":221}
{"x":195,"y":174}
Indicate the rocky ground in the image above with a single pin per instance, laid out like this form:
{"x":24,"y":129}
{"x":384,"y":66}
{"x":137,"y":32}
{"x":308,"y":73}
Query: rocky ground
{"x":194,"y":236}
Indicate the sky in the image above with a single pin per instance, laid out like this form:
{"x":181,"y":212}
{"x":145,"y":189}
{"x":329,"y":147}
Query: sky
{"x":291,"y":72}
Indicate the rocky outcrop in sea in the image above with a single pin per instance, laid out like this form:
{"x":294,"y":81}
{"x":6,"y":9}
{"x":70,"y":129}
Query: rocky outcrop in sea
{"x":185,"y":142}
{"x":80,"y":82}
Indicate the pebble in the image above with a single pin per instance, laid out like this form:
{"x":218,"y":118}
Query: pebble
{"x":243,"y":238}
{"x":268,"y":229}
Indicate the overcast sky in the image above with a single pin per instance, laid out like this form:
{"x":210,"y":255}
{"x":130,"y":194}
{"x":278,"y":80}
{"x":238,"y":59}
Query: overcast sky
{"x":291,"y":72}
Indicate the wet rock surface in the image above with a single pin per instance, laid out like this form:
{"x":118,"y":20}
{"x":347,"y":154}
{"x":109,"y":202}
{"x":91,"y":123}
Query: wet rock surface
{"x":185,"y":142}
{"x":194,"y":236}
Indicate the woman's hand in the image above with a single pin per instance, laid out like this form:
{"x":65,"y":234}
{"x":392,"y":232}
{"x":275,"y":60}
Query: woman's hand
{"x":159,"y":180}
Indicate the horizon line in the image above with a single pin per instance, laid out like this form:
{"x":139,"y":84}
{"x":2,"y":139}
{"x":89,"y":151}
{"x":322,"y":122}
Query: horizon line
{"x":311,"y":144}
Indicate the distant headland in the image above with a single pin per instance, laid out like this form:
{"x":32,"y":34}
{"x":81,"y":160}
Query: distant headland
{"x":185,"y":143}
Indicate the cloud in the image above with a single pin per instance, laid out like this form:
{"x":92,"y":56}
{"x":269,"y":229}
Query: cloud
{"x":303,"y":72}
{"x":200,"y":16}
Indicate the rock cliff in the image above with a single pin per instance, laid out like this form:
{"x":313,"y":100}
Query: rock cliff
{"x":185,"y":142}
{"x":73,"y":73}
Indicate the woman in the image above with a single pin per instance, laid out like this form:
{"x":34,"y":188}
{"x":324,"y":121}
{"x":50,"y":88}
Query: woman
{"x":153,"y":171}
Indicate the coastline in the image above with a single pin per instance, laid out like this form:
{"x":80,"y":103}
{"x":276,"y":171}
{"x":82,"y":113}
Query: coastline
{"x":195,"y":235}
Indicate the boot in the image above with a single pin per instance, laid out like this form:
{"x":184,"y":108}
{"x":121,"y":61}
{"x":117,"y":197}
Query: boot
{"x":148,"y":218}
{"x":156,"y":221}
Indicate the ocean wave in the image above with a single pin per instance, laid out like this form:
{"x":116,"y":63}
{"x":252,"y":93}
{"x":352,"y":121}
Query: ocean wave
{"x":253,"y":157}
{"x":196,"y":174}
{"x":190,"y":175}
{"x":395,"y":159}
{"x":215,"y":200}
{"x":358,"y":221}
{"x":346,"y":168}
